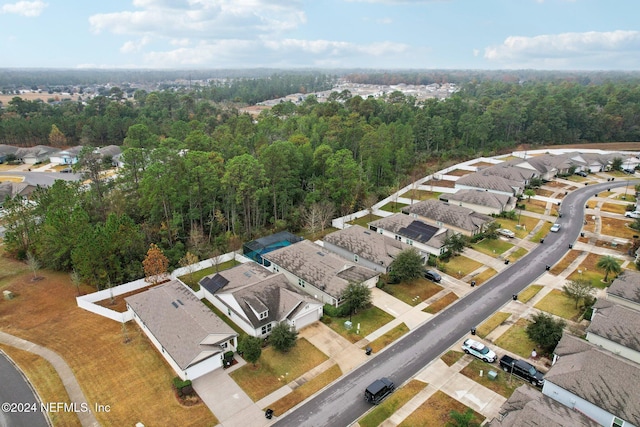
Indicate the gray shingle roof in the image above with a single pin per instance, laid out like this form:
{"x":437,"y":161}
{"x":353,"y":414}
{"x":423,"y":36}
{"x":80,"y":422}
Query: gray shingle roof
{"x":183,"y":325}
{"x":397,"y":222}
{"x":479,"y":197}
{"x":38,"y":150}
{"x":616,"y":323}
{"x":8,"y":149}
{"x":513,"y":170}
{"x":367,"y":244}
{"x":490,"y":182}
{"x":274,"y":295}
{"x":626,"y":286}
{"x":597,"y":376}
{"x":238,"y":276}
{"x":528,"y":407}
{"x":319,"y":267}
{"x":447,"y":214}
{"x":109,"y":151}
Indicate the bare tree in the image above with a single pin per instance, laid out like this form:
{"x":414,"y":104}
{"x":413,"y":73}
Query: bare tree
{"x":76,"y":280}
{"x":34,"y":265}
{"x":188,"y":262}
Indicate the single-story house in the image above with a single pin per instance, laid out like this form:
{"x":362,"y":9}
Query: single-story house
{"x":319,"y":272}
{"x":427,"y":238}
{"x":514,"y":170}
{"x":625,"y":290}
{"x":490,"y":183}
{"x":187,"y":333}
{"x":365,"y":247}
{"x":456,"y":218}
{"x":483,"y":202}
{"x":112,"y":152}
{"x":66,"y":157}
{"x":526,"y":407}
{"x":615,"y":327}
{"x":549,"y":165}
{"x":35,"y":155}
{"x":599,"y":384}
{"x":257,"y":302}
{"x":6,"y":150}
{"x":12,"y":189}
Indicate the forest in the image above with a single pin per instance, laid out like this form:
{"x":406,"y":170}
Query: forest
{"x":200,"y":177}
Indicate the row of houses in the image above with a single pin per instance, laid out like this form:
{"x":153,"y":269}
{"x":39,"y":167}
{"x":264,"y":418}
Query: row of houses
{"x":511,"y":177}
{"x":42,"y":153}
{"x":593,"y":381}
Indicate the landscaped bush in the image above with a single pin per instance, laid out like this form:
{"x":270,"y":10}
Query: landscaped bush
{"x":183,"y":387}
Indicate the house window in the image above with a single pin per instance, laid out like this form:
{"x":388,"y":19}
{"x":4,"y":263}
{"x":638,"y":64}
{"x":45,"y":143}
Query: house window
{"x":224,"y":345}
{"x":266,"y":329}
{"x":398,"y":237}
{"x":228,"y":312}
{"x":264,"y":314}
{"x":617,"y":422}
{"x":275,"y":268}
{"x":355,"y":258}
{"x":439,"y":223}
{"x":380,"y":230}
{"x":410,"y":242}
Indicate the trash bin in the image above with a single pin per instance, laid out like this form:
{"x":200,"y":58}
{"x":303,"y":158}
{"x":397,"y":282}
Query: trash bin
{"x":368,"y":350}
{"x":514,"y":297}
{"x":473,"y":283}
{"x":541,"y":240}
{"x":570,"y":246}
{"x":268,"y":413}
{"x":473,"y":331}
{"x":547,"y":267}
{"x":506,"y":261}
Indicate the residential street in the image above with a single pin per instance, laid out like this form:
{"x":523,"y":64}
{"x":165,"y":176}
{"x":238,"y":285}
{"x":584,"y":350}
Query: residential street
{"x":342,"y":403}
{"x":19,"y":393}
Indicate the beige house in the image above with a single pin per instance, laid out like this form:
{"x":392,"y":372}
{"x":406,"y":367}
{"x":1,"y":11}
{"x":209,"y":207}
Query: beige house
{"x":615,"y":327}
{"x":455,"y":218}
{"x":428,"y":239}
{"x":484,"y":202}
{"x":625,"y":290}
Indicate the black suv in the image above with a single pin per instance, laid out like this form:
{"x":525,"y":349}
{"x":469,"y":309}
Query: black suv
{"x":432,"y":275}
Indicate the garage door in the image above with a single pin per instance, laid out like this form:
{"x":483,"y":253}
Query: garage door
{"x":307,"y":319}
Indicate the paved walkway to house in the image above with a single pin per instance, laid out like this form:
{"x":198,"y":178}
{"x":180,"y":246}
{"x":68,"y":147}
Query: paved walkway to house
{"x":87,"y":419}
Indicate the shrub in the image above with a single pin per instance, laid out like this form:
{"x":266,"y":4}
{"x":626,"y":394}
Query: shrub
{"x":183,"y":387}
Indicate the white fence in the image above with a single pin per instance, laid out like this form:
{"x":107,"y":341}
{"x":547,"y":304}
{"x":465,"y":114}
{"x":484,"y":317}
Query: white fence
{"x":88,"y":302}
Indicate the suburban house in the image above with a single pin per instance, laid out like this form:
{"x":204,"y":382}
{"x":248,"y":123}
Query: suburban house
{"x":5,"y":151}
{"x":365,"y":247}
{"x":549,"y":166}
{"x":527,"y":407}
{"x":615,"y":328}
{"x":456,"y":218}
{"x":35,"y":155}
{"x":66,"y":157}
{"x":595,"y":382}
{"x":256,"y":248}
{"x":598,"y":162}
{"x":13,"y":189}
{"x":256,"y":299}
{"x":483,"y":202}
{"x":319,"y":272}
{"x":189,"y":335}
{"x":625,"y":290}
{"x":428,"y":239}
{"x":112,"y":152}
{"x":490,"y":183}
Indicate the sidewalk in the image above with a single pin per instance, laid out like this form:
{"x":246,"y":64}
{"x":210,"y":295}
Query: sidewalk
{"x":87,"y":419}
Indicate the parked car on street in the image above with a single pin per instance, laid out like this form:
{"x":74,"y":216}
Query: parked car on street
{"x":507,"y":233}
{"x":432,"y":275}
{"x":479,"y":350}
{"x":632,"y":214}
{"x":555,"y":227}
{"x":379,"y":390}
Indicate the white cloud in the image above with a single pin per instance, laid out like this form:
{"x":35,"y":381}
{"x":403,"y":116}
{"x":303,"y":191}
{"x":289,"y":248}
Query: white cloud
{"x":135,"y":46}
{"x":24,"y":8}
{"x":565,"y":49}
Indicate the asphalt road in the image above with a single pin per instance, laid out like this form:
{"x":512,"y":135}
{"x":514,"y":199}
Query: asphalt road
{"x":342,"y":403}
{"x":15,"y":390}
{"x":43,"y":179}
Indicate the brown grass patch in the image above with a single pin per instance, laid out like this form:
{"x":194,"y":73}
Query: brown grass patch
{"x":132,"y":378}
{"x":451,"y":357}
{"x":458,"y":172}
{"x":617,"y":228}
{"x":484,"y":276}
{"x":391,"y":404}
{"x":386,"y":339}
{"x":565,"y":262}
{"x":118,"y":303}
{"x":441,"y":303}
{"x":46,"y":381}
{"x":306,"y":390}
{"x":589,"y":224}
{"x":545,"y":193}
{"x":492,"y":323}
{"x":415,"y":291}
{"x":536,"y":206}
{"x":420,"y":195}
{"x":482,"y":164}
{"x":530,"y":292}
{"x":504,"y":385}
{"x":436,"y":410}
{"x":613,"y":208}
{"x":441,"y":183}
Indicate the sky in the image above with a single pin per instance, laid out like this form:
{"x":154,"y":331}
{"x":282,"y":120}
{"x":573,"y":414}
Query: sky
{"x":289,"y":34}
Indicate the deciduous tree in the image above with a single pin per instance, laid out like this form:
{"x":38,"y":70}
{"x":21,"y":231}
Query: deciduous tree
{"x":155,"y":264}
{"x":578,"y":290}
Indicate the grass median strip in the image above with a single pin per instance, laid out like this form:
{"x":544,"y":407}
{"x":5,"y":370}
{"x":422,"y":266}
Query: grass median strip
{"x":530,"y":292}
{"x":441,"y":303}
{"x":436,"y":411}
{"x":392,"y":404}
{"x":305,"y":390}
{"x":492,"y":323}
{"x":386,"y":339}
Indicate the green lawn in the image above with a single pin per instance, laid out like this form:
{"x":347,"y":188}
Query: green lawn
{"x":522,"y":227}
{"x":275,"y":369}
{"x":528,"y":293}
{"x":516,"y":340}
{"x":459,"y":266}
{"x":493,"y":322}
{"x":556,"y":302}
{"x":541,"y":234}
{"x":413,"y":292}
{"x":393,"y":207}
{"x":225,"y":319}
{"x":594,"y":277}
{"x":492,"y":247}
{"x":365,"y":220}
{"x":517,"y":254}
{"x":370,"y":319}
{"x":391,"y":404}
{"x":503,"y":384}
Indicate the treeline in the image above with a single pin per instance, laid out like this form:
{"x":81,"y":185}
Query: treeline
{"x":200,"y":177}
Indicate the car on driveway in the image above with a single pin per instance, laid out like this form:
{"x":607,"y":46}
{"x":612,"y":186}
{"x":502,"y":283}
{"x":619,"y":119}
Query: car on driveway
{"x":507,"y":233}
{"x":632,"y":214}
{"x":555,"y":227}
{"x":582,"y":173}
{"x":432,"y":275}
{"x":479,"y":350}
